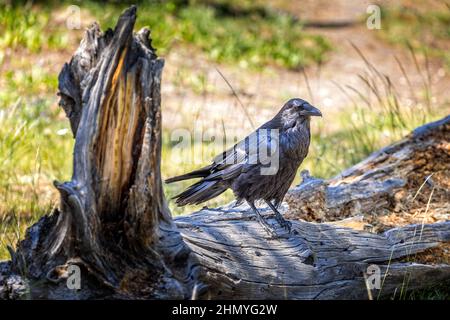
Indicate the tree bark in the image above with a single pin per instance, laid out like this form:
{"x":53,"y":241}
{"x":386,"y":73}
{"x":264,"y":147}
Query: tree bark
{"x":113,"y":221}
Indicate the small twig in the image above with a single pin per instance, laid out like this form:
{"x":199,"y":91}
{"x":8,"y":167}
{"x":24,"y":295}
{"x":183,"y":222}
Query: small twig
{"x":237,"y":98}
{"x":305,"y":76}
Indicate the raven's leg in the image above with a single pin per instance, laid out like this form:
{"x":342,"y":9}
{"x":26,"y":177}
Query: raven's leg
{"x":261,"y":220}
{"x":281,"y":221}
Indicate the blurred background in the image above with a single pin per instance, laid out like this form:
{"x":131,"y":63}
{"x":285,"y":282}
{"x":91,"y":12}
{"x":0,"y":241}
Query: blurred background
{"x":230,"y":65}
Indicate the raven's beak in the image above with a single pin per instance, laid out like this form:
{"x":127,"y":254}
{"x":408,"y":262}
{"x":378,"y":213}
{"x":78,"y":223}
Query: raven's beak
{"x":309,"y":110}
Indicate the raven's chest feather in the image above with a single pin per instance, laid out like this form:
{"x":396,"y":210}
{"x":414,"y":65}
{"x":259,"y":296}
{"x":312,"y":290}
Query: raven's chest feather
{"x":294,"y":144}
{"x":253,"y":185}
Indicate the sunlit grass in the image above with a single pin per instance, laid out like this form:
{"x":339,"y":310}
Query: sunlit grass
{"x":35,"y":149}
{"x":28,"y":27}
{"x":222,"y":31}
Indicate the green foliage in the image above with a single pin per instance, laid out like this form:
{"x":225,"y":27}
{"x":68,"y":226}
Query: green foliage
{"x":440,"y":292}
{"x":251,"y":39}
{"x":34,"y":146}
{"x":26,"y":27}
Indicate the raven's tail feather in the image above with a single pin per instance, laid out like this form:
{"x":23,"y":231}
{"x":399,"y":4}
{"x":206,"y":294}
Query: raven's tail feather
{"x":200,"y":173}
{"x":200,"y":192}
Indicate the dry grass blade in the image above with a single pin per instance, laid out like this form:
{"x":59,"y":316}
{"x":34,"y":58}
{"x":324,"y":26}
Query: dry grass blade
{"x":421,"y":186}
{"x":426,"y":84}
{"x":308,"y":86}
{"x":408,"y":81}
{"x":360,"y":95}
{"x":237,"y":98}
{"x":370,"y":66}
{"x":346,"y":94}
{"x":373,"y":88}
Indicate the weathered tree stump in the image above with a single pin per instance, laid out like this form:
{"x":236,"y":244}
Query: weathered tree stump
{"x":113,"y":221}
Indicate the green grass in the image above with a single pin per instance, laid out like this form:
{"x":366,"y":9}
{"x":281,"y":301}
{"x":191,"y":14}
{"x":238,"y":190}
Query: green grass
{"x":440,"y":292}
{"x":34,"y":149}
{"x":426,"y":32}
{"x":242,"y":34}
{"x":252,"y":40}
{"x":25,"y":27}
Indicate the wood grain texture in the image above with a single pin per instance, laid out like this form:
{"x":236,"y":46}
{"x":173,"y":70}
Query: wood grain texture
{"x":319,"y":261}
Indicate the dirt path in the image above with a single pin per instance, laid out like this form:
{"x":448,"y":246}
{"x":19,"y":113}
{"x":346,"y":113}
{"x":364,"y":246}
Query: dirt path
{"x":263,"y":92}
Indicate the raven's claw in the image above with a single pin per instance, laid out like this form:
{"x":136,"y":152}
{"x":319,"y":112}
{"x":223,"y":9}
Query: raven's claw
{"x":284,"y":223}
{"x":267,"y":227}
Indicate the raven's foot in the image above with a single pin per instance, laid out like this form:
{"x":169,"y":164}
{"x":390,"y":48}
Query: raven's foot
{"x":283,"y":222}
{"x":279,"y":217}
{"x":268,"y":228}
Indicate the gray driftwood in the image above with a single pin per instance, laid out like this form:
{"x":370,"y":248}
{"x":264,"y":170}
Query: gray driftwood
{"x":113,"y":221}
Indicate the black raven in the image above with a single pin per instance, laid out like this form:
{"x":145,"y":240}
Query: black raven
{"x":260,"y":167}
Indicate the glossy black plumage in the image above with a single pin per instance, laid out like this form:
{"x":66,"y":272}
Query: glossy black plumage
{"x":239,"y":167}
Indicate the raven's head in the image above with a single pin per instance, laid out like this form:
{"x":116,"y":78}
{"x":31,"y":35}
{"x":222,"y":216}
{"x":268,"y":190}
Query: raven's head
{"x":296,"y":111}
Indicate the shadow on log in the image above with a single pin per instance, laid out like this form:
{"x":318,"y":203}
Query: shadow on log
{"x":113,"y":222}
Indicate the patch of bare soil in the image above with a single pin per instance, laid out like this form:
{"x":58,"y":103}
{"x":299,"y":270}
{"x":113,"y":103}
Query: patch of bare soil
{"x":263,"y":92}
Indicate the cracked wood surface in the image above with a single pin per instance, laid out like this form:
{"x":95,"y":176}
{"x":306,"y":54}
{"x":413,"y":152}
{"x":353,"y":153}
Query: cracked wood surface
{"x":318,"y":261}
{"x":113,"y":220}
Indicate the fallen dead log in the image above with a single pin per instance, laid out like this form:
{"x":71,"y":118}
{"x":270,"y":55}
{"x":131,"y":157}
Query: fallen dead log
{"x":401,"y":178}
{"x":113,"y":222}
{"x":320,"y":261}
